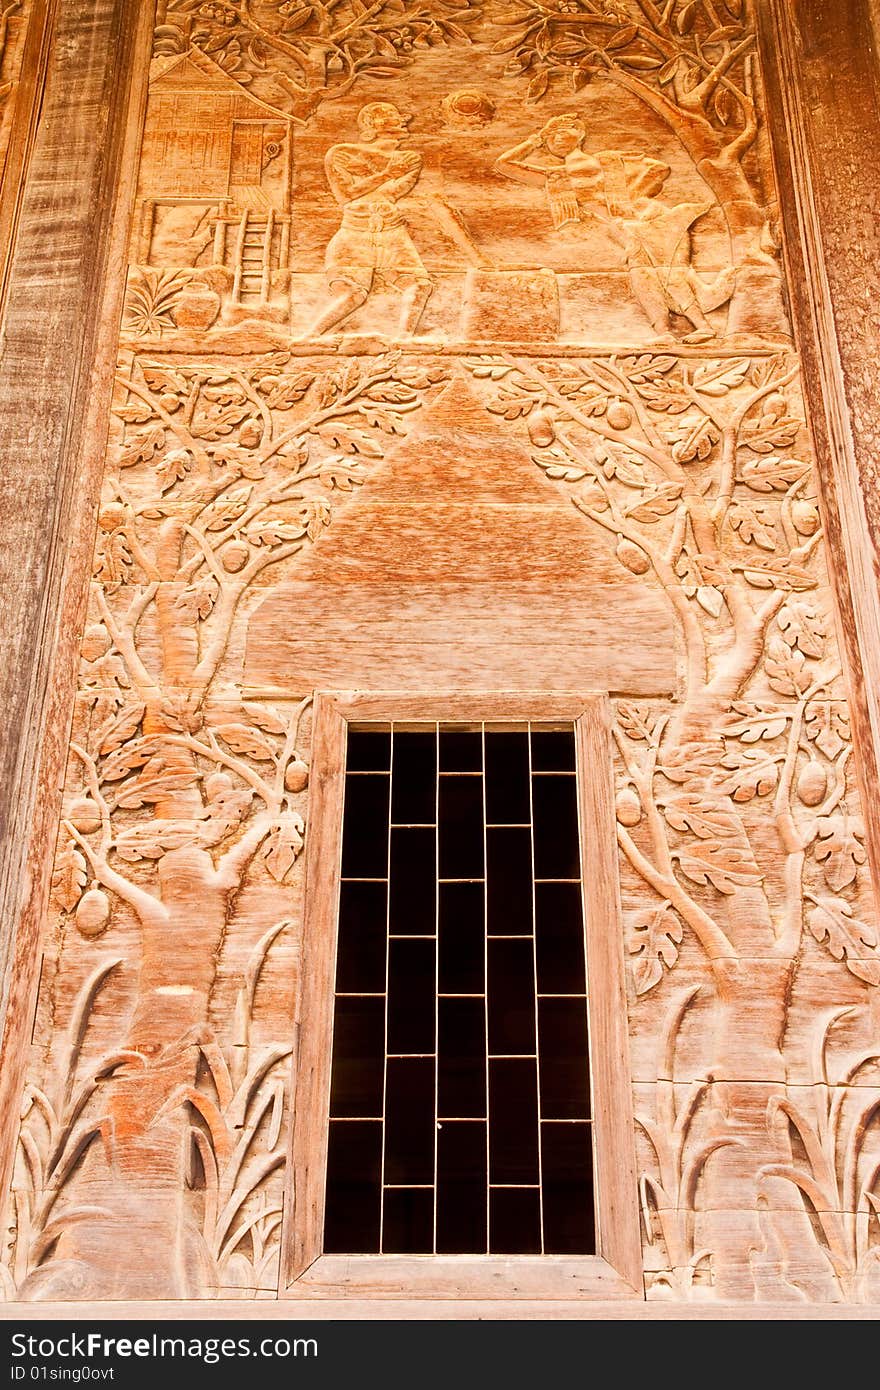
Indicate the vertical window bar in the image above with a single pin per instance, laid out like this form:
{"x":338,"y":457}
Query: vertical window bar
{"x":387,"y":979}
{"x":436,"y":970}
{"x":535,"y":978}
{"x":486,"y":994}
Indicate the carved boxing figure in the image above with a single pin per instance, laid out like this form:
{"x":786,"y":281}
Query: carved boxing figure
{"x":373,"y":245}
{"x":621,"y":191}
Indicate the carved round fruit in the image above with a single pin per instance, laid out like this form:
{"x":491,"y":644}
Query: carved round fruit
{"x":633,"y":557}
{"x":805,"y":518}
{"x":297,"y":776}
{"x":250,"y":433}
{"x":111,"y":515}
{"x":169,"y":402}
{"x":96,"y":642}
{"x":812,"y":783}
{"x":629,"y":810}
{"x":618,"y":415}
{"x":542,"y":430}
{"x":235,"y":556}
{"x":93,"y":913}
{"x":774,"y":404}
{"x":84,"y":815}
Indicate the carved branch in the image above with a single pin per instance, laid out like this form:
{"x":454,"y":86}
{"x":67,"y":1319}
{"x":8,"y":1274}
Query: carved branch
{"x":713,"y":940}
{"x":151,"y":910}
{"x":146,"y":685}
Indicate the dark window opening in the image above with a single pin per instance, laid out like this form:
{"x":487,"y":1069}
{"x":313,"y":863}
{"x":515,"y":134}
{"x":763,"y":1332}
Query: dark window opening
{"x":460,"y":1117}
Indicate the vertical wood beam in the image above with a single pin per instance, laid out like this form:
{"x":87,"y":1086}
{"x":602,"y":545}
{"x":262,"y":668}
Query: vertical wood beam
{"x":821,"y":72}
{"x":64,"y":287}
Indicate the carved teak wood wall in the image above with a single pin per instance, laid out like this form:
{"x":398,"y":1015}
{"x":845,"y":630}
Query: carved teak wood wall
{"x":454,"y":356}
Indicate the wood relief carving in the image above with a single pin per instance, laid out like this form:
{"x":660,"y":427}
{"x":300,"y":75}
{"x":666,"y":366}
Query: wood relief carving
{"x":454,"y":347}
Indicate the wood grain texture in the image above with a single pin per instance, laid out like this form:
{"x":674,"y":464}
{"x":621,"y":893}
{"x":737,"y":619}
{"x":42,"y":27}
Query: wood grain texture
{"x":470,"y":388}
{"x":71,"y":311}
{"x":310,"y":1082}
{"x":824,"y":90}
{"x":616,"y":1182}
{"x":431,"y":1309}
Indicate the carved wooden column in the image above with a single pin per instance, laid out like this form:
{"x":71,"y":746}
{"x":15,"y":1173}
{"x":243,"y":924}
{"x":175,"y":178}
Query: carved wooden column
{"x":75,"y":169}
{"x":820,"y":66}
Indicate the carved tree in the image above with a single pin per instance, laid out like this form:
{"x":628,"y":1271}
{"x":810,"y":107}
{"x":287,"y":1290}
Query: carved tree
{"x":688,"y":465}
{"x":220,"y":473}
{"x":298,"y":55}
{"x":690,"y":61}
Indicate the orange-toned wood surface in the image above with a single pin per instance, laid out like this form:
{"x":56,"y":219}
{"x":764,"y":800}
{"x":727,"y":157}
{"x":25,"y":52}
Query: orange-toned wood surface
{"x":455,"y":355}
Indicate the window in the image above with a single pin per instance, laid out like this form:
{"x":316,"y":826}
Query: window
{"x":454,"y":1131}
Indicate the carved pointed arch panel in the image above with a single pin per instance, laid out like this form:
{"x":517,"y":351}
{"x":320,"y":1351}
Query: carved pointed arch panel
{"x":454,"y":355}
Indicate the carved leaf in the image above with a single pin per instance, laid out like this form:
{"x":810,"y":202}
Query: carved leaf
{"x":633,"y":724}
{"x":350,"y":441}
{"x":146,"y":789}
{"x":69,"y":876}
{"x":660,"y":502}
{"x":283,"y":392}
{"x":802,"y":625}
{"x":655,"y":938}
{"x":511,"y":407}
{"x":767,"y":434}
{"x":752,"y":773}
{"x":616,"y":464}
{"x":848,"y":938}
{"x":282,"y":848}
{"x":711,"y":600}
{"x":664,"y":395}
{"x":694,"y":440}
{"x":392,"y":392}
{"x":537,"y":87}
{"x":129,"y":757}
{"x":269,"y":720}
{"x":137,"y":412}
{"x":751,"y":523}
{"x":342,"y":475}
{"x":165,"y":381}
{"x":246,"y":741}
{"x":173,"y":467}
{"x":726,"y":866}
{"x":706,"y":819}
{"x":781,"y":573}
{"x":227,"y":509}
{"x":717,"y":378}
{"x":839,"y":848}
{"x":827,"y":725}
{"x":198,"y":601}
{"x":786,"y":668}
{"x":689,"y":760}
{"x":142,"y":447}
{"x":114,"y":561}
{"x":118,"y":730}
{"x":553,"y":465}
{"x":756,"y":722}
{"x":773,"y":474}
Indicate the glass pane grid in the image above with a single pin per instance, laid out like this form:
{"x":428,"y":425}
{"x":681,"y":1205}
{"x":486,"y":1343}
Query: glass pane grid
{"x":459,"y":1113}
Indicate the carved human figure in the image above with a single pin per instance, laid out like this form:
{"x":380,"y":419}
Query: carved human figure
{"x":373,"y":246}
{"x":621,"y":191}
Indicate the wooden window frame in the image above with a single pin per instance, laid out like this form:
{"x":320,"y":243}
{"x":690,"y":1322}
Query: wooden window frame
{"x":615,"y":1271}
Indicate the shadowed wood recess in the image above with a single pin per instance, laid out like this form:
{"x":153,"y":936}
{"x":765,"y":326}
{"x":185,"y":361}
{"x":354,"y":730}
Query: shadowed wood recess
{"x":479,"y":352}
